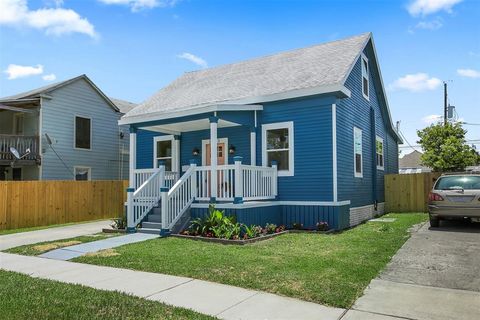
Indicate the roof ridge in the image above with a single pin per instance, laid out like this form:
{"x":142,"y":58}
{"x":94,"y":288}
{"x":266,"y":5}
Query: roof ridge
{"x":279,"y":53}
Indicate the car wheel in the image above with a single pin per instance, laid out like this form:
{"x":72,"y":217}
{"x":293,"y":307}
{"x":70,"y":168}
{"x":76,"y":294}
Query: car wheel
{"x":434,"y":222}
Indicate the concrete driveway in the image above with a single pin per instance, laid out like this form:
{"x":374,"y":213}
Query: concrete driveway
{"x":435,"y":275}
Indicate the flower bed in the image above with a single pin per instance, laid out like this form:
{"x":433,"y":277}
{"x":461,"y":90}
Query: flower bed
{"x":219,"y":228}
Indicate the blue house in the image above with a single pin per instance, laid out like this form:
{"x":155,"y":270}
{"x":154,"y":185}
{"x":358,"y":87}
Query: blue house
{"x":301,"y":136}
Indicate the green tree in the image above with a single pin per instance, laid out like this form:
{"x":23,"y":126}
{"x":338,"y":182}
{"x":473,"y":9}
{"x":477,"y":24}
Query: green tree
{"x":445,"y":148}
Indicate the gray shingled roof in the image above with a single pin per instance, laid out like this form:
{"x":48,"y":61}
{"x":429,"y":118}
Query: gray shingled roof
{"x":316,"y":66}
{"x":124,"y":106}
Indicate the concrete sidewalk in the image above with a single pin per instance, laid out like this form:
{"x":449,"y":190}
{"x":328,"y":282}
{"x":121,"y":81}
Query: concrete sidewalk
{"x":78,"y":250}
{"x":51,"y":234}
{"x":222,"y":301}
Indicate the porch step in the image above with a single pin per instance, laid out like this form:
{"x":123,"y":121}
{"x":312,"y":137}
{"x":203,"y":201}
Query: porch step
{"x":154,"y":217}
{"x":149,"y":230}
{"x":152,"y":225}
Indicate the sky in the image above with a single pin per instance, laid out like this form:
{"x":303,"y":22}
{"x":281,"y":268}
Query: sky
{"x":132,"y":48}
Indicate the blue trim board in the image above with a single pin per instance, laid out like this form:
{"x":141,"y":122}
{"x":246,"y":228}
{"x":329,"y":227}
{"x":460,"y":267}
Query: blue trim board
{"x":338,"y":217}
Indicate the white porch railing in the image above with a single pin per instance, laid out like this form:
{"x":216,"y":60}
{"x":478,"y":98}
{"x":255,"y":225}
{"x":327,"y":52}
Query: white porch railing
{"x":143,"y":199}
{"x":259,"y":183}
{"x":179,"y":198}
{"x":142,"y":175}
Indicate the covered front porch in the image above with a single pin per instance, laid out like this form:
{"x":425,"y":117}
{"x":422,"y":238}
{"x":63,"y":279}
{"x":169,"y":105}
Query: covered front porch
{"x":172,"y":166}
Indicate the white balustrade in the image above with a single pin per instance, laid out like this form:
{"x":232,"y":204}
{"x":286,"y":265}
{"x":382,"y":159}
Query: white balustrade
{"x":259,"y":183}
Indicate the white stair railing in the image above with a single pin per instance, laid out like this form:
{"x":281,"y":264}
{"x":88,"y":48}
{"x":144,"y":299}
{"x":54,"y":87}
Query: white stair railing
{"x":177,"y":200}
{"x":144,"y":198}
{"x":142,"y":175}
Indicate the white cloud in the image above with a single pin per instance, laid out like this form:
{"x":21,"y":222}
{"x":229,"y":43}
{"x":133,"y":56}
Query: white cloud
{"x":16,"y":71}
{"x":193,"y":58}
{"x":55,"y":21}
{"x":469,"y":73}
{"x":416,"y":82}
{"x":426,"y":7}
{"x":430,"y":25}
{"x":49,"y":77}
{"x":138,"y":5}
{"x":432,"y":118}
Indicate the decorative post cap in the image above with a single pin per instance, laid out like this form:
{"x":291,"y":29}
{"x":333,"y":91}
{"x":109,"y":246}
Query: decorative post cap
{"x":213,"y":119}
{"x":130,"y":189}
{"x":274,"y":163}
{"x":193,"y":161}
{"x":163,"y":189}
{"x":238,"y":158}
{"x":161,"y":163}
{"x":133,"y":129}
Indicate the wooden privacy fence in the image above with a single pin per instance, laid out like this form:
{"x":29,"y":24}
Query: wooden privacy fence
{"x":41,"y":203}
{"x":408,"y":192}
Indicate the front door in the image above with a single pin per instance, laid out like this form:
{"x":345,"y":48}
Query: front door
{"x":221,"y":184}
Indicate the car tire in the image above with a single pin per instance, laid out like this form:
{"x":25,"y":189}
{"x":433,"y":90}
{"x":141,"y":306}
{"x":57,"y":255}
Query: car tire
{"x":434,"y":222}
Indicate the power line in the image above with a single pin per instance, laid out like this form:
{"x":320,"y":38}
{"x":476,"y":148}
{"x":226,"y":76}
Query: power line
{"x":403,"y":136}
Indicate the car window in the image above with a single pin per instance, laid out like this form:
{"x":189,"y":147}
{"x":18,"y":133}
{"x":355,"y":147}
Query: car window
{"x":458,"y":182}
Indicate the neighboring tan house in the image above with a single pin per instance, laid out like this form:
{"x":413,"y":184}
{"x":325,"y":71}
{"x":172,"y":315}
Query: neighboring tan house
{"x":411,"y":163}
{"x":301,"y":136}
{"x":79,"y":121}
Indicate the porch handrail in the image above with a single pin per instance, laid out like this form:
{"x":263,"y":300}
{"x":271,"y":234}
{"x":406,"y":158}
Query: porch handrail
{"x":143,"y":199}
{"x":142,"y":175}
{"x":259,"y":183}
{"x":21,"y":143}
{"x":178,"y":199}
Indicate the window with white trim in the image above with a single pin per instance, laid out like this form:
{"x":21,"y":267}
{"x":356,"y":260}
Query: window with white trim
{"x":164,"y":151}
{"x":365,"y":77}
{"x":277,"y":145}
{"x":379,"y":153}
{"x":83,"y":173}
{"x":357,"y":149}
{"x":83,"y":133}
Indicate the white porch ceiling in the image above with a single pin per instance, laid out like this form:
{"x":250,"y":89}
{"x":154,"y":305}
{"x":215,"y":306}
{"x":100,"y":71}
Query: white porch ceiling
{"x":194,"y":125}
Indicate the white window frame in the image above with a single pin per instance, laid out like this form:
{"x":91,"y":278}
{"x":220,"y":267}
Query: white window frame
{"x":280,"y":125}
{"x":357,"y":174}
{"x":175,"y":150}
{"x":379,"y":139}
{"x":366,"y":76}
{"x":75,"y":132}
{"x":204,"y":149}
{"x":89,"y":170}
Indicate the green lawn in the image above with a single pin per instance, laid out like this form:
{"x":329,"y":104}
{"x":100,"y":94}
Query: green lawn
{"x":23,"y":297}
{"x":331,"y":269}
{"x":42,"y":247}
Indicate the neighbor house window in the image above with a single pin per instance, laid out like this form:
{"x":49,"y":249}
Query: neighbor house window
{"x":357,"y":145}
{"x":277,"y":145}
{"x":365,"y":77}
{"x":83,"y":133}
{"x":379,"y":153}
{"x":163,"y":151}
{"x":82,"y":173}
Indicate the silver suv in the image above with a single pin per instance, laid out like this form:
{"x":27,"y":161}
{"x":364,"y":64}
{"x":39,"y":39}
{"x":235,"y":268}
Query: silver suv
{"x":455,"y":196}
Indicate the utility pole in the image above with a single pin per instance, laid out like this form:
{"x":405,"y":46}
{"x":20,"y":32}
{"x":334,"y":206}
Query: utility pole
{"x":445,"y":106}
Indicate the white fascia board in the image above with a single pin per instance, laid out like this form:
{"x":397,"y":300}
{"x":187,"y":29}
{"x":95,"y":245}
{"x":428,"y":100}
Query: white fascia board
{"x":182,"y":113}
{"x":245,"y":104}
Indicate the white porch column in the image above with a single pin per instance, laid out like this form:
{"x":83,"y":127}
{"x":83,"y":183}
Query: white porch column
{"x":253,"y":146}
{"x":213,"y":157}
{"x":132,"y":157}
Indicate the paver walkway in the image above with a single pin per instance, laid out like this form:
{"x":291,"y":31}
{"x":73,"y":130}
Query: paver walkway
{"x":94,"y":246}
{"x":222,"y":301}
{"x":51,"y":234}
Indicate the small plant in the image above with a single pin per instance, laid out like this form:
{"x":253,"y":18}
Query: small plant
{"x":270,"y":228}
{"x":297,"y":226}
{"x":119,"y":223}
{"x":280,"y":228}
{"x":322,"y":226}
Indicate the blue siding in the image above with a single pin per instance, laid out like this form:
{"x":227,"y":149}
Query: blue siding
{"x":79,"y":98}
{"x":356,"y":111}
{"x":312,"y":122}
{"x":336,"y":217}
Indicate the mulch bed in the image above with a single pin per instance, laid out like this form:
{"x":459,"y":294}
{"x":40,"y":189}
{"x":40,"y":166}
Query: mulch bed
{"x":247,"y":241}
{"x":108,"y":230}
